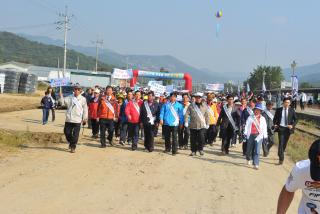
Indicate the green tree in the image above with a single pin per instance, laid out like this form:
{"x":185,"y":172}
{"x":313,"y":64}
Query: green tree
{"x":165,"y":81}
{"x":272,"y":80}
{"x":305,"y":85}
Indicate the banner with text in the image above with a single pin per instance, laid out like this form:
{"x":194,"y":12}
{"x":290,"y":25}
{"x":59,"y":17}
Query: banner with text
{"x":157,"y":87}
{"x":215,"y":87}
{"x":59,"y":82}
{"x":122,"y":74}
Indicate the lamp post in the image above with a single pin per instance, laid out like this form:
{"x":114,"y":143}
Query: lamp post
{"x":293,"y":66}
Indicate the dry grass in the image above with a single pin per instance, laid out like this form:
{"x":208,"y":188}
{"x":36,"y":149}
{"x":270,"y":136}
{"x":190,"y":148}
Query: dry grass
{"x":12,"y":141}
{"x":298,"y":145}
{"x":18,"y":102}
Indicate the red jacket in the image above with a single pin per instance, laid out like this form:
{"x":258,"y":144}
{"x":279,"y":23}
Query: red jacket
{"x":93,"y":108}
{"x":104,"y":111}
{"x":131,"y":112}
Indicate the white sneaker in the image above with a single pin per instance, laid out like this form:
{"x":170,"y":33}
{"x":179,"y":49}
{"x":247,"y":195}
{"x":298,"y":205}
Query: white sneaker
{"x":249,"y":163}
{"x":256,"y":167}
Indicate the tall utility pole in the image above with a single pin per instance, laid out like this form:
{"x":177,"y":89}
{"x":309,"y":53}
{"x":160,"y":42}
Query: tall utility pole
{"x":98,"y":44}
{"x":59,"y":67}
{"x":64,"y":23}
{"x":77,"y":64}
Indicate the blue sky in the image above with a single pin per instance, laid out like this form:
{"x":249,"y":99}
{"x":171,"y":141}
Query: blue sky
{"x":183,"y":28}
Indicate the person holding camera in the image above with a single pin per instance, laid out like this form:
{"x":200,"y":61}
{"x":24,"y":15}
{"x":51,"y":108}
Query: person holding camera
{"x":77,"y":114}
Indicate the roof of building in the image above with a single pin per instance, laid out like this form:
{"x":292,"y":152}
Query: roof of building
{"x":42,"y":71}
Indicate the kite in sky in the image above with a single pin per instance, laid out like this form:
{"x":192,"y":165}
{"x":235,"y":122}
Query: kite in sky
{"x":218,"y":16}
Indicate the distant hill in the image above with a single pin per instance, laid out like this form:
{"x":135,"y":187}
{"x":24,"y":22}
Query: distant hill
{"x":19,"y":49}
{"x":146,"y":62}
{"x":308,"y":73}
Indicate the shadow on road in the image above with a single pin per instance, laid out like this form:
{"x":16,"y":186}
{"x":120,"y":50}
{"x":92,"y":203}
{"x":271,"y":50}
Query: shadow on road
{"x":32,"y":121}
{"x":45,"y":148}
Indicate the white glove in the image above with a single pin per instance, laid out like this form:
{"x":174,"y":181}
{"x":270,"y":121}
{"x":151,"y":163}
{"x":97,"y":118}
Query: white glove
{"x":207,"y":126}
{"x":186,"y":125}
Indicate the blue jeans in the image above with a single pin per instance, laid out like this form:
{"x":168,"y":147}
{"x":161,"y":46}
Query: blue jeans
{"x":45,"y":115}
{"x":253,"y":149}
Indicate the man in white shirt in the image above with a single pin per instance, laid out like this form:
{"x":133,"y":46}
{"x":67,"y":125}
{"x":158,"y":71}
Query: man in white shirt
{"x":284,"y":120}
{"x":77,"y":114}
{"x":305,"y":176}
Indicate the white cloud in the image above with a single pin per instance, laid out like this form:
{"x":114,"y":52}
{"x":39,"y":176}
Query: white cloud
{"x":279,"y":20}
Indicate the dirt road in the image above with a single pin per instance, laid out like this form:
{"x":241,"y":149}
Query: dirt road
{"x":116,"y":180}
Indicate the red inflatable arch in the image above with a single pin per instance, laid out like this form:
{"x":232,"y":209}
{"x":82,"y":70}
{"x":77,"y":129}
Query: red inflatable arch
{"x":138,"y":73}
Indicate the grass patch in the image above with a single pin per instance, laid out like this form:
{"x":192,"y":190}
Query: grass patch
{"x":11,"y":141}
{"x":308,"y":123}
{"x":298,"y":145}
{"x":42,"y":86}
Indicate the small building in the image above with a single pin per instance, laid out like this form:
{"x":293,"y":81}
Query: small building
{"x":83,"y":77}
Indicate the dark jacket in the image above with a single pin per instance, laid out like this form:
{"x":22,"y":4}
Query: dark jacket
{"x":244,"y":116}
{"x":155,"y":110}
{"x":224,"y":120}
{"x":122,"y":115}
{"x":46,"y":102}
{"x":269,"y":123}
{"x":292,"y":117}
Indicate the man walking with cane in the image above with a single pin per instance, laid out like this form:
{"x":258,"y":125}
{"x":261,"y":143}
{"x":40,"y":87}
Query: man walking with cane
{"x":77,"y":114}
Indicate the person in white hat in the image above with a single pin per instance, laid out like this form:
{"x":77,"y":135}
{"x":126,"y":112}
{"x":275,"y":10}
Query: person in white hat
{"x":77,"y":114}
{"x":256,"y":132}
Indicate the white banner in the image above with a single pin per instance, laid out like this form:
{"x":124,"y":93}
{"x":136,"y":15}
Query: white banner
{"x":295,"y":85}
{"x":215,"y":87}
{"x":152,"y":82}
{"x":122,"y":74}
{"x":59,"y":82}
{"x":2,"y":80}
{"x":155,"y":87}
{"x":286,"y":84}
{"x":170,"y":88}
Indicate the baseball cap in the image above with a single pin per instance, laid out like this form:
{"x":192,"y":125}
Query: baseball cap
{"x":97,"y":91}
{"x":314,"y":156}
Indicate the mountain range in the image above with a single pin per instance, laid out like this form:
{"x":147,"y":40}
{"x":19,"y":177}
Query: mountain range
{"x":20,"y":49}
{"x":145,"y":62}
{"x":307,"y":73}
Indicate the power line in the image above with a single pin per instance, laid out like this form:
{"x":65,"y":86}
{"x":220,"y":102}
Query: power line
{"x":45,"y":6}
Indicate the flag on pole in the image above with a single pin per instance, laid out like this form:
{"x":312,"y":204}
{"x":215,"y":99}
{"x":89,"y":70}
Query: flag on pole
{"x":248,"y":87}
{"x":295,"y":86}
{"x":238,"y":89}
{"x":263,"y":87}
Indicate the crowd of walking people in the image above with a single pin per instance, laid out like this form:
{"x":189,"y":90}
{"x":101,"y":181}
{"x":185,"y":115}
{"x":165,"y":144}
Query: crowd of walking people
{"x":187,"y":121}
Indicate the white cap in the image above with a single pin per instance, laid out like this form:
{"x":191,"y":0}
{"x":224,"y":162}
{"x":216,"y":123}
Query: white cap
{"x":198,"y":94}
{"x":214,"y":100}
{"x":97,"y":91}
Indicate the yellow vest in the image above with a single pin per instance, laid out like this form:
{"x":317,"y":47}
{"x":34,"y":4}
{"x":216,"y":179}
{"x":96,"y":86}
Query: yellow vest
{"x":213,"y":119}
